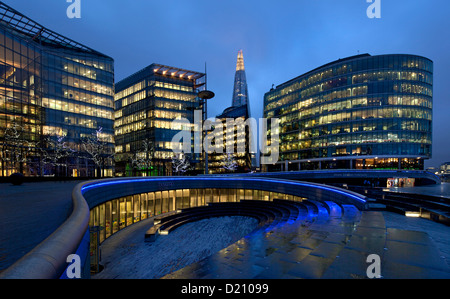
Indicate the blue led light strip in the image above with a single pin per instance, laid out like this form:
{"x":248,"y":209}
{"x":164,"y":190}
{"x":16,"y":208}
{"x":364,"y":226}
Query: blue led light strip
{"x":96,"y":185}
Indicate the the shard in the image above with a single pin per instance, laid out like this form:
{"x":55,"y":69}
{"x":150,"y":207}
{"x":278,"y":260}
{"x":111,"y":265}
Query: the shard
{"x":240,"y":92}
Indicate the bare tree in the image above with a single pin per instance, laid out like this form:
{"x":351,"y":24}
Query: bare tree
{"x":15,"y":148}
{"x":97,"y":150}
{"x":180,"y":164}
{"x":229,"y":163}
{"x":56,"y":153}
{"x":142,"y":160}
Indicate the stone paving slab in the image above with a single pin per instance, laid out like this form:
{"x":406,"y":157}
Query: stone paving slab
{"x":414,"y":254}
{"x":349,"y":264}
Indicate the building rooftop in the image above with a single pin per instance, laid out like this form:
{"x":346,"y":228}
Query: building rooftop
{"x":234,"y":112}
{"x":158,"y":69}
{"x":34,"y":32}
{"x":325,"y":65}
{"x":340,"y":60}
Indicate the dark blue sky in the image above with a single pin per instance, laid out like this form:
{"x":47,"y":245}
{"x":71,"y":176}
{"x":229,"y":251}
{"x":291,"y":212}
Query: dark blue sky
{"x":281,"y":40}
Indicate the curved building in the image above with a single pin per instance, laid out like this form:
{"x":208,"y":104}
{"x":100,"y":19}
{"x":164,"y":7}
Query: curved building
{"x":361,"y":112}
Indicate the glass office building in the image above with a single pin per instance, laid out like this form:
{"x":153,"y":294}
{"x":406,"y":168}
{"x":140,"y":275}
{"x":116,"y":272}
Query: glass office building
{"x":55,"y":93}
{"x":445,"y":168}
{"x":146,"y":105}
{"x":240,"y":158}
{"x":240,"y":90}
{"x":361,"y":112}
{"x":236,"y":136}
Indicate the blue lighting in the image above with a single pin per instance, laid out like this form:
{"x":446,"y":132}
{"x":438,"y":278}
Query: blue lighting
{"x":262,"y":180}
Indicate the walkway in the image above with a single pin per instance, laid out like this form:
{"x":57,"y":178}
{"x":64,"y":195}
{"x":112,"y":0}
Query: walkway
{"x":325,"y":249}
{"x":30,"y":213}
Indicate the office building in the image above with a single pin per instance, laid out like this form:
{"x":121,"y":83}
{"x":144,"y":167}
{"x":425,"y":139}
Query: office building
{"x":445,"y":168}
{"x":56,"y":102}
{"x":234,"y":126}
{"x":146,"y":105}
{"x":240,"y":90}
{"x":240,"y":159}
{"x":361,"y":112}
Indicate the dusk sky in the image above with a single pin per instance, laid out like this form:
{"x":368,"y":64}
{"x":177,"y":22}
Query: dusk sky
{"x":280,"y":40}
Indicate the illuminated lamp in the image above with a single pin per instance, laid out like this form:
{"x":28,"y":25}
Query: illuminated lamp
{"x":412,"y":214}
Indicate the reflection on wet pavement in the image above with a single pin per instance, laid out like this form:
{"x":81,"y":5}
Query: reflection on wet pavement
{"x":326,"y":242}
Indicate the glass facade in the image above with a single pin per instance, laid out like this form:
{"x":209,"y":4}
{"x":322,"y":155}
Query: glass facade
{"x":233,"y":125}
{"x":146,"y":106}
{"x":119,"y":213}
{"x":445,"y":168}
{"x":54,"y":93}
{"x":240,"y":90}
{"x":240,"y":159}
{"x":360,"y":112}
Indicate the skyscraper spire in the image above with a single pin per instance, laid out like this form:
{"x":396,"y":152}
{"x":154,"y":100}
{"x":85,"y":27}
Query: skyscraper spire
{"x":240,"y":62}
{"x":240,"y":92}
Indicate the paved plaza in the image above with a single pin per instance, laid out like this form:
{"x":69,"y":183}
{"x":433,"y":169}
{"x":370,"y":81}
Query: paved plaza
{"x":327,"y":246}
{"x":29,"y":213}
{"x":332,"y":247}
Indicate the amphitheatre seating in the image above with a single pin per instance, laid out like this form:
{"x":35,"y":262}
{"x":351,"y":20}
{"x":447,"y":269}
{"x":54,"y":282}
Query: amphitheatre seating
{"x":268,"y":213}
{"x":322,"y":209}
{"x":334,"y":209}
{"x":166,"y":224}
{"x":169,"y":226}
{"x":313,"y":210}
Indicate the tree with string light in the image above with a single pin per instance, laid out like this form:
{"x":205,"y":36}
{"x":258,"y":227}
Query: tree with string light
{"x":97,"y":149}
{"x":180,"y":164}
{"x":55,"y":152}
{"x":229,"y":163}
{"x":15,"y":148}
{"x":142,"y":160}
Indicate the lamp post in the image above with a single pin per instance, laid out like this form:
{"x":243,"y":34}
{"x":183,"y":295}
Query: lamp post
{"x":205,"y":95}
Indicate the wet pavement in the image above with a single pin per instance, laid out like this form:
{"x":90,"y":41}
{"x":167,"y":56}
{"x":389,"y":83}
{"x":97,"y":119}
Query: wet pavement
{"x":320,"y":245}
{"x":316,"y":245}
{"x":336,"y":247}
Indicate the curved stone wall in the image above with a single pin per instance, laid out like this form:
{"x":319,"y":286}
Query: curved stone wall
{"x":97,"y":192}
{"x":48,"y":259}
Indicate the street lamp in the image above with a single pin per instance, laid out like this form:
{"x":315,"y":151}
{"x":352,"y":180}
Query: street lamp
{"x":205,"y":95}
